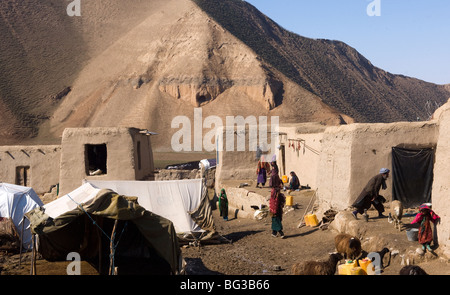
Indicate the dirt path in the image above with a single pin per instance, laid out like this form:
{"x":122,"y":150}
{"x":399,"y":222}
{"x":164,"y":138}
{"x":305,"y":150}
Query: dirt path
{"x":254,"y":251}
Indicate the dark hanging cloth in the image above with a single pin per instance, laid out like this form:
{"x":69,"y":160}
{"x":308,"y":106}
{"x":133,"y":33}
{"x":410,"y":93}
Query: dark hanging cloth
{"x":412,"y":176}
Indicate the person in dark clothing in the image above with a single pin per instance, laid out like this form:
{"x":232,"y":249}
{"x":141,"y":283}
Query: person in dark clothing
{"x":370,"y":194}
{"x":223,"y":204}
{"x":294,"y":183}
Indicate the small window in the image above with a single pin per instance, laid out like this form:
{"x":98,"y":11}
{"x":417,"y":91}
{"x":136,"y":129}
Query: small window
{"x":23,"y":175}
{"x":95,"y":155}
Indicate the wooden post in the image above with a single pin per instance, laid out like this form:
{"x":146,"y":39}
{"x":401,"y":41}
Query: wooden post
{"x":111,"y":247}
{"x":21,"y":241}
{"x":99,"y":251}
{"x":33,"y":256}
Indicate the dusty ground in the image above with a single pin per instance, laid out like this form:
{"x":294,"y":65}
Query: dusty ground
{"x":253,"y":251}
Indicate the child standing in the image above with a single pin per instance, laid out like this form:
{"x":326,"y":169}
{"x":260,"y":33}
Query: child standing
{"x":223,"y":204}
{"x":424,"y":218}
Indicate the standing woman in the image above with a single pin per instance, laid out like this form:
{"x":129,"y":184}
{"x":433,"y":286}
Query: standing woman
{"x":223,"y":205}
{"x":277,"y":202}
{"x":261,"y":171}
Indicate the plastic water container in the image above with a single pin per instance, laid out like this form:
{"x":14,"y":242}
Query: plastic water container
{"x":357,"y":271}
{"x":284,"y":178}
{"x":412,"y":234}
{"x":366,"y":264}
{"x":311,"y":220}
{"x":346,"y":268}
{"x":289,"y":200}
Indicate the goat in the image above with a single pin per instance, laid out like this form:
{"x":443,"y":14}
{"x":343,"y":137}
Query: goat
{"x":410,"y":270}
{"x":317,"y":268}
{"x":396,"y":214}
{"x":348,"y":245}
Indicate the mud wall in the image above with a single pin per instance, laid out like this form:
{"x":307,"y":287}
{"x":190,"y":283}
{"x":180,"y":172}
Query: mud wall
{"x":441,"y":183}
{"x":352,"y":154}
{"x":32,"y":166}
{"x":125,"y":158}
{"x":302,"y":144}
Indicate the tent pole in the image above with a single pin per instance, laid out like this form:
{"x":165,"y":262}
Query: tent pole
{"x":33,"y":256}
{"x":99,"y":251}
{"x":21,"y":241}
{"x":112,"y":250}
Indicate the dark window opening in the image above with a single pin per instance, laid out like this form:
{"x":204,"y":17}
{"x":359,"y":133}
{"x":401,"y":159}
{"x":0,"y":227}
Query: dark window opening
{"x":95,"y":159}
{"x":22,"y":175}
{"x":139,"y":154}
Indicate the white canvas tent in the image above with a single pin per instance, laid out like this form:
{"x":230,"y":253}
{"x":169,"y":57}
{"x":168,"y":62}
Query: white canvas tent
{"x":15,"y":201}
{"x":184,"y":202}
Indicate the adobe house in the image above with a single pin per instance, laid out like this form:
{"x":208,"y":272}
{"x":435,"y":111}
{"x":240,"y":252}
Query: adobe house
{"x":339,"y":160}
{"x":32,"y":166}
{"x":104,"y":153}
{"x":299,"y":151}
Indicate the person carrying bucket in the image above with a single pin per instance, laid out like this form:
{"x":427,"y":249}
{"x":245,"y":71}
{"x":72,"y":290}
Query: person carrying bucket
{"x":424,"y":218}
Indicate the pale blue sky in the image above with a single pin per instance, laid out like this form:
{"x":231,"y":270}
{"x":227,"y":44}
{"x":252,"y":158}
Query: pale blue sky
{"x":410,"y":37}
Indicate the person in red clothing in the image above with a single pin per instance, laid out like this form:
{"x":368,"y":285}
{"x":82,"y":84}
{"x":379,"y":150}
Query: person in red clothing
{"x":424,"y":218}
{"x":277,"y":202}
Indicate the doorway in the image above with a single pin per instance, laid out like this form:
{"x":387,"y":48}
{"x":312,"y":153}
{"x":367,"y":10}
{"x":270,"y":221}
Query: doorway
{"x":412,"y":175}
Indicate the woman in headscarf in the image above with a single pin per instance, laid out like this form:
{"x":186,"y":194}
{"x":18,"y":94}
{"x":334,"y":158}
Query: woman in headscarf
{"x":261,"y":171}
{"x":294,"y":183}
{"x":424,"y":218}
{"x":370,"y":194}
{"x":277,"y":201}
{"x":223,"y":204}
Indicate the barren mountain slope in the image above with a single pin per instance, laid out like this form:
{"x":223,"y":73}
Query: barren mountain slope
{"x":144,"y":63}
{"x":334,"y":71}
{"x":177,"y":59}
{"x":43,"y":51}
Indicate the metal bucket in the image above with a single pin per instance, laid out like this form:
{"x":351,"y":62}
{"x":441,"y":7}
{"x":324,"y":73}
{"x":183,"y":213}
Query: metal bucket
{"x":412,"y":234}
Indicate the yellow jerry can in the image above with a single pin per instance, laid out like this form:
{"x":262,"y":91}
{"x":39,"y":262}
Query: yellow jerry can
{"x":289,"y":200}
{"x":311,"y":220}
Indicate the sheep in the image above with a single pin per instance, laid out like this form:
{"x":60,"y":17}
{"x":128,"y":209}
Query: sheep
{"x":396,"y":214}
{"x":317,"y":268}
{"x":410,"y":270}
{"x":348,"y":245}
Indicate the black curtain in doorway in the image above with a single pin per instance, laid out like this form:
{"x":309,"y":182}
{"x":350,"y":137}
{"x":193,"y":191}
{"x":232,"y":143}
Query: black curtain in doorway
{"x":412,"y":175}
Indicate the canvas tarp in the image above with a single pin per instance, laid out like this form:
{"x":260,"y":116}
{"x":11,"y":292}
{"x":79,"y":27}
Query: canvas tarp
{"x":412,"y":175}
{"x":67,"y":224}
{"x":15,"y":201}
{"x":184,"y":202}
